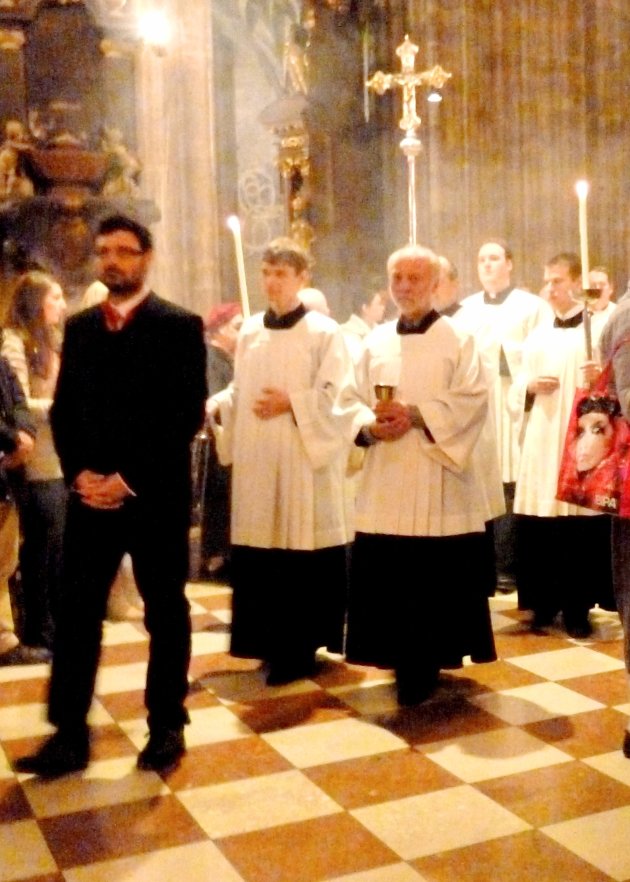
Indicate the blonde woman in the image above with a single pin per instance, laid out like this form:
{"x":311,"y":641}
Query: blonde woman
{"x":31,"y":343}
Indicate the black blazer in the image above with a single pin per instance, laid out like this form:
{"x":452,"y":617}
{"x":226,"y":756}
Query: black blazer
{"x":131,"y":401}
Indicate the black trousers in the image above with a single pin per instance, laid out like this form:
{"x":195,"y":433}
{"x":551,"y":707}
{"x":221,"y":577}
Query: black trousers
{"x":564,"y":565}
{"x":156,"y":537}
{"x":42,"y":509}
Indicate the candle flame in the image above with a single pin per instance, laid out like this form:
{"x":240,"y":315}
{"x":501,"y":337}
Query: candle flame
{"x":582,"y":188}
{"x":233,"y":223}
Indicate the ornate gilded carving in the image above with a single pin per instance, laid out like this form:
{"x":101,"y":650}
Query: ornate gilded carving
{"x":14,"y":181}
{"x":117,"y":48}
{"x":124,"y":168}
{"x":11,"y":40}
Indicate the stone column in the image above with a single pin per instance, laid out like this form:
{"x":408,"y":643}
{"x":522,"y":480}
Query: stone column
{"x":177,"y":152}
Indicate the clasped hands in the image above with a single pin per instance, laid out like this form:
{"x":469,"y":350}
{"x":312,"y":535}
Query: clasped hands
{"x":272,"y":403}
{"x":104,"y":492}
{"x":393,"y":420}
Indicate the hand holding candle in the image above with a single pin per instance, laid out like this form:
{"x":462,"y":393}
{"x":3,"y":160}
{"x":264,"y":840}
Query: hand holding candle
{"x":235,"y":226}
{"x":581,"y":188}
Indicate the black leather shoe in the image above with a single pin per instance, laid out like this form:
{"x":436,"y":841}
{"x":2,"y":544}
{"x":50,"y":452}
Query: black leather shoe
{"x":283,"y":673}
{"x":625,"y":747}
{"x":163,"y":751}
{"x":61,"y":754}
{"x":579,"y":630}
{"x":25,"y":655}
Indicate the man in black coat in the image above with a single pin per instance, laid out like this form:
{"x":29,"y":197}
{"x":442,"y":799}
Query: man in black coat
{"x":130,"y":399}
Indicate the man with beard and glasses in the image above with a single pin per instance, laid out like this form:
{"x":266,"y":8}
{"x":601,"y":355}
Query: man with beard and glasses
{"x":129,"y":401}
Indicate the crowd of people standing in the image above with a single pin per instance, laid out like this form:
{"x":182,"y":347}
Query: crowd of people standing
{"x":455,"y":410}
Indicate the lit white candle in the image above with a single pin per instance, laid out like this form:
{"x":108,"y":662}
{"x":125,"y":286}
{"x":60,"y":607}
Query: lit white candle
{"x":581,"y":188}
{"x":235,"y":226}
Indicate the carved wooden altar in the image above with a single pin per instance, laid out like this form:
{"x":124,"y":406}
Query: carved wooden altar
{"x":67,"y":112}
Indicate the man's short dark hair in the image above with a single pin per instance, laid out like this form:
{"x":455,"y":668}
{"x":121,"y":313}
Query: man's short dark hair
{"x":568,"y":259}
{"x":285,"y":251}
{"x":115,"y":222}
{"x":497,"y":240}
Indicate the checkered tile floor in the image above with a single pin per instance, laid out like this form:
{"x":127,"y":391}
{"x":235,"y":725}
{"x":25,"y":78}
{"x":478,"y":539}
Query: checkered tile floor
{"x":511,"y":772}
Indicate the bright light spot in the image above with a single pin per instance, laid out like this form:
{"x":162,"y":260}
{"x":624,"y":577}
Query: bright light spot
{"x":233,"y":223}
{"x":581,"y":188}
{"x":155,"y":29}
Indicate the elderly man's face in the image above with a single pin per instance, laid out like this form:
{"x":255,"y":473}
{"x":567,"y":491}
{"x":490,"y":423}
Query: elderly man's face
{"x":412,"y":281}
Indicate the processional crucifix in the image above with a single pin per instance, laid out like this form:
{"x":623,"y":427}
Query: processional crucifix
{"x":409,"y":79}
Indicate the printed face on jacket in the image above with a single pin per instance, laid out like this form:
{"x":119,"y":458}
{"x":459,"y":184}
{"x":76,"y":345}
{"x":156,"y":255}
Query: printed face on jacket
{"x":594,"y":440}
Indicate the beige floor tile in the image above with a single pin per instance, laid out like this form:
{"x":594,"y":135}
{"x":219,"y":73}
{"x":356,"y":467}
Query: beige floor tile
{"x":244,"y":686}
{"x":208,"y":725}
{"x":563,"y":664}
{"x":540,"y":701}
{"x":372,"y":699}
{"x":257,"y":803}
{"x":205,"y":642}
{"x":198,"y":862}
{"x":195,"y":590}
{"x":121,"y":678}
{"x":493,"y":754}
{"x":116,"y":633}
{"x":25,"y":854}
{"x":601,"y":839}
{"x":391,"y":873}
{"x":613,"y":764}
{"x":331,"y":742}
{"x":434,"y":822}
{"x":24,"y":720}
{"x":108,"y":782}
{"x":10,"y":673}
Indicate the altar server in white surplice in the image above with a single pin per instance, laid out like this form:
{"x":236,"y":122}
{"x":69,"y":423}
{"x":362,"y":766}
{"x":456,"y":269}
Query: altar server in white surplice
{"x":417,"y":592}
{"x":500,"y":317}
{"x":564,"y":559}
{"x":285,"y":423}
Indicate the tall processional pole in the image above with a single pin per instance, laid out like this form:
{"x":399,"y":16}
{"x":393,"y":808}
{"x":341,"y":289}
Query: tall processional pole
{"x":408,"y":80}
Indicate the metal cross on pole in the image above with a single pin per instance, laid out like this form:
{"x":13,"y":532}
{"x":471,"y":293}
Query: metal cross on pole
{"x":409,"y":79}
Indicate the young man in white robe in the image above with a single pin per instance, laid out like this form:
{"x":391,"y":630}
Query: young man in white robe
{"x":418,"y":599}
{"x":286,"y":422}
{"x":500,"y":317}
{"x":564,"y":560}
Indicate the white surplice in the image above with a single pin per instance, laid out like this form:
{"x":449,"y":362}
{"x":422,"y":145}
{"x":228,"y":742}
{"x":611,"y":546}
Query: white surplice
{"x":554,"y":352}
{"x":504,"y":325}
{"x":288,"y":472}
{"x":412,"y":486}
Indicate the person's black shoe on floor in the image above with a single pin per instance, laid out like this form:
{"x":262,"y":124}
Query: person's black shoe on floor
{"x":61,"y":754}
{"x":163,"y":751}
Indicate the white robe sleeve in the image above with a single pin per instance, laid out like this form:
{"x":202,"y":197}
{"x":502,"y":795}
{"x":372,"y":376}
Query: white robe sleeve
{"x":455,"y":417}
{"x":325,"y":413}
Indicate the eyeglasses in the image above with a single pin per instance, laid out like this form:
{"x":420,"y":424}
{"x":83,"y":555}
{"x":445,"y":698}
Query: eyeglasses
{"x":123,"y":252}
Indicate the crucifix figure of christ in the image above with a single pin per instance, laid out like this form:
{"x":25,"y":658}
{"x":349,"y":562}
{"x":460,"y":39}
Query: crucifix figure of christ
{"x":408,"y":80}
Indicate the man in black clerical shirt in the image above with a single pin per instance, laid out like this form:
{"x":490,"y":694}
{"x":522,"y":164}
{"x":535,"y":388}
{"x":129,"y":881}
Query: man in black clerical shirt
{"x":129,"y":401}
